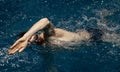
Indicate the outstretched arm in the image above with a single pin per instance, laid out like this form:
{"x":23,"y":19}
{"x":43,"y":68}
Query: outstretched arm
{"x":21,"y":43}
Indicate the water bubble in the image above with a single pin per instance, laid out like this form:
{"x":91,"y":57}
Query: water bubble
{"x":1,"y":20}
{"x":113,"y":45}
{"x":30,"y":19}
{"x":45,"y":1}
{"x":1,"y":0}
{"x":102,"y":2}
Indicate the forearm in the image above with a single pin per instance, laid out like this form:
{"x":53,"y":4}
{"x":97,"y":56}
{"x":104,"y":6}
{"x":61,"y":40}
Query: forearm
{"x":41,"y":24}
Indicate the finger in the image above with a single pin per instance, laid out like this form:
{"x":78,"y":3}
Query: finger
{"x":14,"y":44}
{"x":21,"y":49}
{"x":13,"y":50}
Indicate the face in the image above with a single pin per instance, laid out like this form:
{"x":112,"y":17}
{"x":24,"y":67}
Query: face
{"x":37,"y":39}
{"x":32,"y":39}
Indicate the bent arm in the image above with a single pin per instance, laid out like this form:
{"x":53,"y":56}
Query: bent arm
{"x":21,"y":43}
{"x":41,"y":24}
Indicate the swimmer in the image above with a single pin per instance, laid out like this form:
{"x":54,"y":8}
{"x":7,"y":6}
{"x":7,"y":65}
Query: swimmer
{"x":51,"y":34}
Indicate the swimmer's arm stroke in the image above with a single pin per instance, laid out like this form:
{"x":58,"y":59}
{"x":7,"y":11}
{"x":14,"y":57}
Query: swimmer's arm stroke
{"x":21,"y":43}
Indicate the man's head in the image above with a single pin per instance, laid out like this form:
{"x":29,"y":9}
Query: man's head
{"x":38,"y":39}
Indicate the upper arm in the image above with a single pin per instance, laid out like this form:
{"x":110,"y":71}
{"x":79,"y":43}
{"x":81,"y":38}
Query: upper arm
{"x":42,"y":23}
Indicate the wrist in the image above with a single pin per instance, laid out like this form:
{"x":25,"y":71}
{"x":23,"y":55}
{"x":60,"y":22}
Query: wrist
{"x":25,"y":38}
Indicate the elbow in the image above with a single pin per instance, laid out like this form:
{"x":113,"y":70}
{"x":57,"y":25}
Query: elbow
{"x":45,"y":20}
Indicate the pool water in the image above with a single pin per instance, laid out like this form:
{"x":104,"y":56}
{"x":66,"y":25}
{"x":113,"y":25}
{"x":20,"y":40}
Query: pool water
{"x":19,"y":15}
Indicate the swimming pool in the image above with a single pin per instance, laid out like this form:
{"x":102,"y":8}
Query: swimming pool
{"x":19,"y":15}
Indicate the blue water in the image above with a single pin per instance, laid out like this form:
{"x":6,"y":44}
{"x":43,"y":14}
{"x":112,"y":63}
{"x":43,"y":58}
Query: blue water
{"x":19,"y":15}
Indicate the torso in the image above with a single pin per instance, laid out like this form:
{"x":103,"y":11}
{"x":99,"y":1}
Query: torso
{"x":57,"y":36}
{"x":62,"y":37}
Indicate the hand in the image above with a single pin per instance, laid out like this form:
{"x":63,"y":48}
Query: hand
{"x":19,"y":45}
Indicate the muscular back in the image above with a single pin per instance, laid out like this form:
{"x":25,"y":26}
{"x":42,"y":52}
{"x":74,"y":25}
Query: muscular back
{"x":53,"y":35}
{"x":66,"y":36}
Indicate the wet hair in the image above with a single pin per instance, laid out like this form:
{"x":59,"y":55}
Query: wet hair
{"x":49,"y":30}
{"x":96,"y":34}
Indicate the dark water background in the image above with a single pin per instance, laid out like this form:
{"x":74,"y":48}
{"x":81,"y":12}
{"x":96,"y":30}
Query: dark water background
{"x":19,"y":15}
